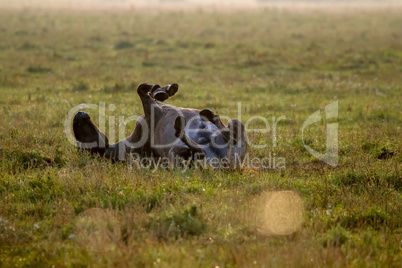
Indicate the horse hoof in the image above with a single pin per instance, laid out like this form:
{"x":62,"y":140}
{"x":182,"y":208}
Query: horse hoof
{"x":172,"y":89}
{"x":160,"y":95}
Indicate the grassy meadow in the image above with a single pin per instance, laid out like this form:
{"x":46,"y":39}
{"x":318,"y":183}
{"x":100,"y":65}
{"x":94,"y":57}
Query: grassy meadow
{"x":64,"y":209}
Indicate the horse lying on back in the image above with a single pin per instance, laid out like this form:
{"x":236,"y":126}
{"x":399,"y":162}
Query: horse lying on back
{"x":168,"y":132}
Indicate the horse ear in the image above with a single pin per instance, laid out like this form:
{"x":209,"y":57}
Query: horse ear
{"x":228,"y":137}
{"x":237,"y":129}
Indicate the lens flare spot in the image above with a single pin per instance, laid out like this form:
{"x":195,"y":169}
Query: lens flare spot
{"x":98,"y":230}
{"x":280,"y":213}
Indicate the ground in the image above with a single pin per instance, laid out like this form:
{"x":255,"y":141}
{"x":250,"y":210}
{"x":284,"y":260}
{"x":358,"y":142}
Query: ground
{"x":66,"y":209}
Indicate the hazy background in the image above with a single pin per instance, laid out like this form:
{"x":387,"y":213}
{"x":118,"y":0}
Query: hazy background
{"x":279,"y":59}
{"x":205,"y":4}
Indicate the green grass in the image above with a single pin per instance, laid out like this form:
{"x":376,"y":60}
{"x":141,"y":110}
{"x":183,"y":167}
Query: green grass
{"x":61,"y":208}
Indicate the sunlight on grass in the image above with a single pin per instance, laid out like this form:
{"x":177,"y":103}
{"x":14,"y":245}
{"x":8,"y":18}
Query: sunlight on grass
{"x":67,"y":209}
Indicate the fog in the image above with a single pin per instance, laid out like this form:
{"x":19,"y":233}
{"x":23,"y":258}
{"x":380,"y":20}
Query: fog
{"x":198,"y":4}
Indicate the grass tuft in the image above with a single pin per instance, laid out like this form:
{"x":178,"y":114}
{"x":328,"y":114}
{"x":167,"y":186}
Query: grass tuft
{"x":178,"y":224}
{"x":123,"y":45}
{"x":38,"y":69}
{"x":80,"y":87}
